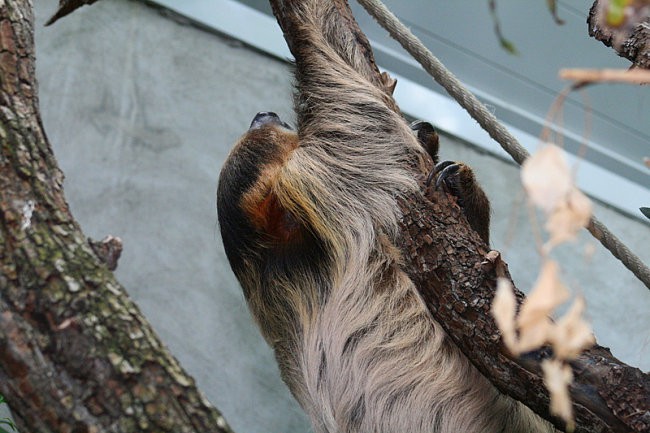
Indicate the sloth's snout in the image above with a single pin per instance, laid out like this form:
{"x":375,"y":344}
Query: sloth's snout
{"x":265,"y":117}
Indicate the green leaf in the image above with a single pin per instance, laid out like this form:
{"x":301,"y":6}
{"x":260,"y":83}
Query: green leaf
{"x":8,"y":422}
{"x":508,"y":46}
{"x":552,"y":7}
{"x":505,"y":43}
{"x":616,"y":13}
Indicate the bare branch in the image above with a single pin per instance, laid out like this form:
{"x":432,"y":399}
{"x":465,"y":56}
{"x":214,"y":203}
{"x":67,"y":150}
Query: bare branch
{"x":66,"y":7}
{"x":630,"y":37}
{"x":583,"y":76}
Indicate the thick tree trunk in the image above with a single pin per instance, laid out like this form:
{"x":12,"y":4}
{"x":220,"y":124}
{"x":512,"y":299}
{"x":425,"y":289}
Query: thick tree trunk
{"x":450,"y":266}
{"x":75,"y":353}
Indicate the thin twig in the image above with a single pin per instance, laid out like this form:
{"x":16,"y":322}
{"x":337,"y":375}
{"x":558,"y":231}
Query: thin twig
{"x":582,"y":76}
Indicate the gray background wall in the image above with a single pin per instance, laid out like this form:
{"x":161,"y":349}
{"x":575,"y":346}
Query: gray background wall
{"x":141,"y":111}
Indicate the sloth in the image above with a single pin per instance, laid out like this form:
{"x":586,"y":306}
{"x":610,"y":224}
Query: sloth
{"x":309,"y":220}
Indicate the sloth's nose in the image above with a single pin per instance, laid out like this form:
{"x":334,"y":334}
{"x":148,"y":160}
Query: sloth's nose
{"x":266,"y":117}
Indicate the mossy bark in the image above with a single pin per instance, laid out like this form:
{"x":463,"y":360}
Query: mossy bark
{"x":76,"y":355}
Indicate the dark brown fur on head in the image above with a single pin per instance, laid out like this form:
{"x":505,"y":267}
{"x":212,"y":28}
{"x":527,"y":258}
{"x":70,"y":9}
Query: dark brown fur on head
{"x":266,"y":244}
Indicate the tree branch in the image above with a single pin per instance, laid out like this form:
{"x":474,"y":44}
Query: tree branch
{"x":66,"y":7}
{"x":75,"y":353}
{"x":447,"y":261}
{"x":630,"y":40}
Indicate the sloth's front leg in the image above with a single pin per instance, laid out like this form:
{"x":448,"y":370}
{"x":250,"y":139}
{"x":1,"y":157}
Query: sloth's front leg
{"x":458,"y":179}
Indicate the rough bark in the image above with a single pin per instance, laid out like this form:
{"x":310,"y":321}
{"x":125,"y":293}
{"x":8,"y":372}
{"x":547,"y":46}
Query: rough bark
{"x":76,"y":355}
{"x":457,"y":280}
{"x":450,"y":266}
{"x":631,"y":41}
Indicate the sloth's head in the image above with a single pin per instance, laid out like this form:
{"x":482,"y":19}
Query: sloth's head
{"x":251,"y":217}
{"x":264,"y":240}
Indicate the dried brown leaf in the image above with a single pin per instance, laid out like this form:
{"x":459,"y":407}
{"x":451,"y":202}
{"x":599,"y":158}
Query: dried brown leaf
{"x":572,"y":334}
{"x":547,"y":178}
{"x":534,"y":319}
{"x":557,"y":378}
{"x":534,"y":335}
{"x":548,"y":293}
{"x":503,"y":310}
{"x":568,"y":218}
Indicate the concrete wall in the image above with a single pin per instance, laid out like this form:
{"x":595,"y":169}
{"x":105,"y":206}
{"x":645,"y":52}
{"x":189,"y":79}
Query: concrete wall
{"x":141,"y":111}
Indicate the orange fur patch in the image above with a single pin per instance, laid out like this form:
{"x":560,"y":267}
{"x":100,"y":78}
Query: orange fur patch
{"x":261,"y":204}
